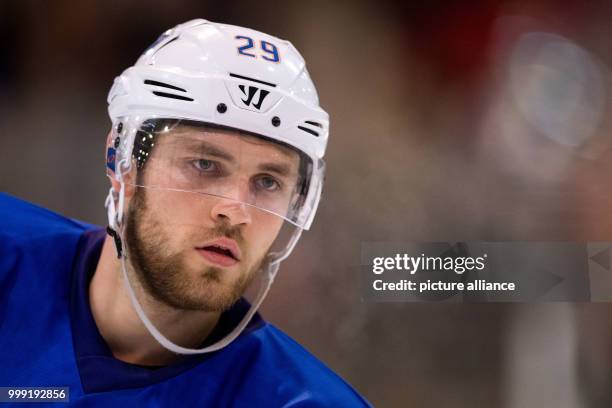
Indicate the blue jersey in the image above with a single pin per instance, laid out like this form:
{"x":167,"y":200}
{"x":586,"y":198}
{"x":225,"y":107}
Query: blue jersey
{"x":48,"y":337}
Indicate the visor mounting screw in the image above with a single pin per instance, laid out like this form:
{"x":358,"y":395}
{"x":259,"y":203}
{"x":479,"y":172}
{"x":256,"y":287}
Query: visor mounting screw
{"x":120,"y":127}
{"x":276,"y":121}
{"x":117,"y":141}
{"x":221,"y":108}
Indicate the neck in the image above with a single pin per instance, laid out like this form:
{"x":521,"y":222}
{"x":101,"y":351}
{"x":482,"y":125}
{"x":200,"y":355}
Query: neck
{"x":122,"y":329}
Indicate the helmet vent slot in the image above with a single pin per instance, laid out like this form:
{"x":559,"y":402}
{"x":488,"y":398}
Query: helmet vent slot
{"x":172,"y":96}
{"x":317,"y":124}
{"x":308,"y":130}
{"x":163,"y":85}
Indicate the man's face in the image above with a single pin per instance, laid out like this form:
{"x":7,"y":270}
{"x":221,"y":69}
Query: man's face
{"x":198,"y":245}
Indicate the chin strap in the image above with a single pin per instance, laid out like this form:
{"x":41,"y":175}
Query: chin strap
{"x":268,"y":278}
{"x":269,"y":273}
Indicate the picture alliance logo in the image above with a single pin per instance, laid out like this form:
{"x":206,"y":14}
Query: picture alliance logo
{"x":253,"y":96}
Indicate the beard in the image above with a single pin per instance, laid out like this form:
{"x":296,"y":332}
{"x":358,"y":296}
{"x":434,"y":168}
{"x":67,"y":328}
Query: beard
{"x":164,"y":275}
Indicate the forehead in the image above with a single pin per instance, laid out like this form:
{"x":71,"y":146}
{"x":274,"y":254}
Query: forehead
{"x":190,"y":139}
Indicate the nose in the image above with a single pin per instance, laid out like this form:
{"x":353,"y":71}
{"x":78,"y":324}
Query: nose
{"x":230,"y":211}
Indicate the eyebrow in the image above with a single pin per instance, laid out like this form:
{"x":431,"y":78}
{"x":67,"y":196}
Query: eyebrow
{"x":204,"y":147}
{"x":281,"y":169}
{"x":285,"y":151}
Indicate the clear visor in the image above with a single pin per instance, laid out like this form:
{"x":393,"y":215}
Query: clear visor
{"x":208,"y":161}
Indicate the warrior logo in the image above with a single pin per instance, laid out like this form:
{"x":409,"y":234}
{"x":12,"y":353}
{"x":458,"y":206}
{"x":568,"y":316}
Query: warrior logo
{"x":250,"y":96}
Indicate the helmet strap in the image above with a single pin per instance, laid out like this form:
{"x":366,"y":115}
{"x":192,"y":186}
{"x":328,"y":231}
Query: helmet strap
{"x":115,"y":215}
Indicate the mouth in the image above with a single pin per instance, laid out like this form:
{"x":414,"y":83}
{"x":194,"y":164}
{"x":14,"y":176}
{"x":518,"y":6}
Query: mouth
{"x":222,"y":252}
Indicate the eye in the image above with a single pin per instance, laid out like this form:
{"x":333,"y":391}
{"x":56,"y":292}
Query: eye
{"x":205,"y":166}
{"x":267,"y":183}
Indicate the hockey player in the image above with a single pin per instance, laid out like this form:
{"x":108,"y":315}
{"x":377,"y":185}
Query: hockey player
{"x":215,"y":163}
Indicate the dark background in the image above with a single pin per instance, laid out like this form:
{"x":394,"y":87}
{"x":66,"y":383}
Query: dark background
{"x":450,"y":120}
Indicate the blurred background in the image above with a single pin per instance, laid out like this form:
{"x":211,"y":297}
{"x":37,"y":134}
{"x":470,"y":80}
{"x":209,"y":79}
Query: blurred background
{"x":451,"y":121}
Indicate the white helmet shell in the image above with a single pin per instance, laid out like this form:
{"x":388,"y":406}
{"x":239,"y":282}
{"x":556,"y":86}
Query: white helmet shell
{"x":225,"y":75}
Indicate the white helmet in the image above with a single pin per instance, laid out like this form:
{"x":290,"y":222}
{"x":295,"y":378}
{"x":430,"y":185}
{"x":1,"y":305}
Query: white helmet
{"x":227,"y":76}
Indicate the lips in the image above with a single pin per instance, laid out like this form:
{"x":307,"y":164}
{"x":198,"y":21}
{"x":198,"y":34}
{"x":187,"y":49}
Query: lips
{"x":222,"y":252}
